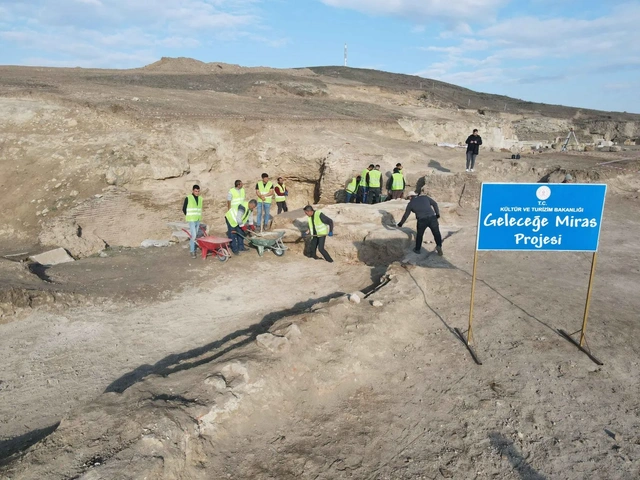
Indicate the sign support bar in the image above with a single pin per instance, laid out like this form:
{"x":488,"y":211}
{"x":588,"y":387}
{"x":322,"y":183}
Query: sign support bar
{"x":469,"y":340}
{"x":587,"y":304}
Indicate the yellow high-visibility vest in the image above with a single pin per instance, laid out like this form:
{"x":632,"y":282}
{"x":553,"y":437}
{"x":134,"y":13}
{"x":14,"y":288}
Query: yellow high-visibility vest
{"x":264,"y":190}
{"x":232,"y":214}
{"x":237,"y":196}
{"x":322,"y":229}
{"x":397,"y":182}
{"x":374,"y":178}
{"x":281,"y":198}
{"x":363,"y":178}
{"x":194,"y":209}
{"x":353,"y":185}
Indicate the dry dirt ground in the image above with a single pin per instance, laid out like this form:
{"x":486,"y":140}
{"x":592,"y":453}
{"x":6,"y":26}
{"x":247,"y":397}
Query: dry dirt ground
{"x":143,"y":363}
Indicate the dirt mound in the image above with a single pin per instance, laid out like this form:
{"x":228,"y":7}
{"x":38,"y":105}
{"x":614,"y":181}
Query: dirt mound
{"x":24,"y":287}
{"x":367,"y":233}
{"x":190,"y":65}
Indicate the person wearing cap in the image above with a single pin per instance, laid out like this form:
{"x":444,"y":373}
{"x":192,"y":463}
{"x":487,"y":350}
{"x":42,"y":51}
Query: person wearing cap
{"x":236,"y":195}
{"x":427,"y":214}
{"x":264,"y":191}
{"x":396,"y":184}
{"x":192,"y":209}
{"x":352,"y":188}
{"x":239,"y":217}
{"x":281,"y":194}
{"x":364,"y":184}
{"x":320,"y":226}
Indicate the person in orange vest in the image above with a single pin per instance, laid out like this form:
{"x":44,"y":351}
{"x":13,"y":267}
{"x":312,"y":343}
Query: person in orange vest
{"x":192,"y":209}
{"x":281,"y":194}
{"x":320,"y":226}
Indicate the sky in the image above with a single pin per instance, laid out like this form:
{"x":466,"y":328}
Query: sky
{"x":580,"y":53}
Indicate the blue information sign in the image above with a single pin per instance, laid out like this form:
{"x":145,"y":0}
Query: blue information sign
{"x":540,"y":216}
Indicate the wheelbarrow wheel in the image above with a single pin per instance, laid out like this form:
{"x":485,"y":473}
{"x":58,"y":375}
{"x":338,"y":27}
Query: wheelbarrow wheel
{"x":223,"y":255}
{"x":278,"y":251}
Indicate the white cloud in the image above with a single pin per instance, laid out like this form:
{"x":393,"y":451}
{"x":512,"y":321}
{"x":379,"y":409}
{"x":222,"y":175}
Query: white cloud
{"x":96,"y":32}
{"x":450,"y":11}
{"x":499,"y":53}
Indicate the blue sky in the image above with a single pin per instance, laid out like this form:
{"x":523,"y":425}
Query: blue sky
{"x":580,"y":53}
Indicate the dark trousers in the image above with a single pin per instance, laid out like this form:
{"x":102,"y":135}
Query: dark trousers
{"x":395,"y":194}
{"x":282,"y":207}
{"x":432,"y":223}
{"x":237,"y":242}
{"x":373,"y":196}
{"x":317,"y":244}
{"x":350,"y":196}
{"x":362,"y":195}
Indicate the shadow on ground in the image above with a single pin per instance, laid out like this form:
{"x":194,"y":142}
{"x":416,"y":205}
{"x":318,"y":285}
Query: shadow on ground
{"x":507,"y":449}
{"x":211,"y":351}
{"x":14,"y":445}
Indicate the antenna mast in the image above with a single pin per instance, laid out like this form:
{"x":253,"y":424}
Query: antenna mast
{"x":345,"y":54}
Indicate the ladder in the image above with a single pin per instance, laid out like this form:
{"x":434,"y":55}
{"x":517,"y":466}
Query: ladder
{"x":568,"y":139}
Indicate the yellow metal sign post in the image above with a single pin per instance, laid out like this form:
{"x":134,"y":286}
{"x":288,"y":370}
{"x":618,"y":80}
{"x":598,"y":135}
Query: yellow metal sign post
{"x":469,"y":340}
{"x":538,"y":217}
{"x":583,"y":330}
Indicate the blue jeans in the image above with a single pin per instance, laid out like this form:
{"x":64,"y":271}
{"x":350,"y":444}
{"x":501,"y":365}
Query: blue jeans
{"x":349,"y":197}
{"x":237,"y":242}
{"x":263,"y":207}
{"x":193,"y":231}
{"x":362,"y":195}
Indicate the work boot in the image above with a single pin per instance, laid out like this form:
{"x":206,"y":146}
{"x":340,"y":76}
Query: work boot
{"x":439,"y":250}
{"x":416,"y":250}
{"x":193,"y":254}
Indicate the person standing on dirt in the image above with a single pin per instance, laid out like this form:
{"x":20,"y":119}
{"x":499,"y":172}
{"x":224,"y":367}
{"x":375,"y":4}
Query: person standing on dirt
{"x":375,"y":185}
{"x":236,"y":195}
{"x":473,"y":148}
{"x":396,"y":184}
{"x":320,"y":226}
{"x":264,"y":190}
{"x":352,"y":188}
{"x":281,"y":194}
{"x":192,"y":209}
{"x":427,"y":214}
{"x":364,"y":184}
{"x":237,"y":218}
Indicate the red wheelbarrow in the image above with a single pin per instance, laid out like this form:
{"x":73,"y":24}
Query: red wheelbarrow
{"x":218,"y":246}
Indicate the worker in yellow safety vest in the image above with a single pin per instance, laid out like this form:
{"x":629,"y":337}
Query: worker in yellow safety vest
{"x":320,"y":226}
{"x":375,"y":185}
{"x":192,"y":209}
{"x":236,"y":195}
{"x":396,"y":184}
{"x":239,"y":218}
{"x":264,"y":191}
{"x":364,"y":184}
{"x":352,"y":188}
{"x":281,"y":194}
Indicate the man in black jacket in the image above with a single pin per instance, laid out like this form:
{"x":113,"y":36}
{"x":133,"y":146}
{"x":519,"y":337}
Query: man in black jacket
{"x":473,"y":147}
{"x":427,"y":214}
